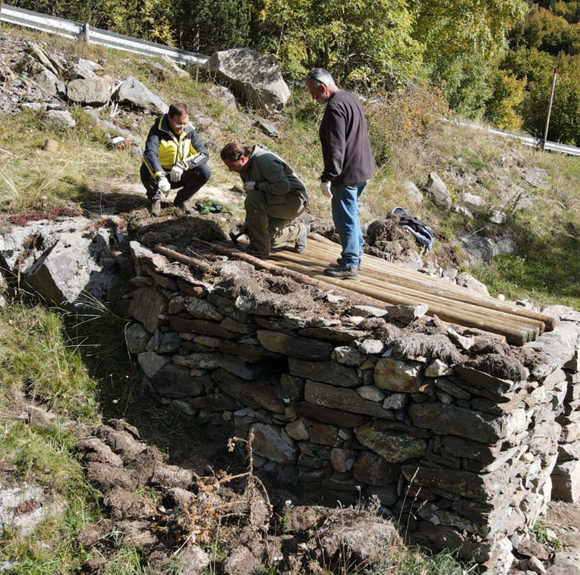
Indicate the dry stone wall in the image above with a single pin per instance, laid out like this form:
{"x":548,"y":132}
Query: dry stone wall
{"x":425,"y":418}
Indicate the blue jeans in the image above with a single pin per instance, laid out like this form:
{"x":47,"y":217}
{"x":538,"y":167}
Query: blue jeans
{"x":345,"y":216}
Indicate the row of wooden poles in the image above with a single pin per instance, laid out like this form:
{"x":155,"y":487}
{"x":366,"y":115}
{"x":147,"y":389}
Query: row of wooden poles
{"x":381,"y":282}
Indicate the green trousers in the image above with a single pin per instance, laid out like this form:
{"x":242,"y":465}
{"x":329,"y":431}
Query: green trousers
{"x":270,"y":219}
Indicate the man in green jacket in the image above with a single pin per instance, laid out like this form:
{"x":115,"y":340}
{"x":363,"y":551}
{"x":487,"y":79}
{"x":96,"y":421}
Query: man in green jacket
{"x":275,"y":197}
{"x":174,"y":158}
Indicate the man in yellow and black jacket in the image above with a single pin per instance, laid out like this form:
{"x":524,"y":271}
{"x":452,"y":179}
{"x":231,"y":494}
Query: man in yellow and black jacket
{"x":174,"y":157}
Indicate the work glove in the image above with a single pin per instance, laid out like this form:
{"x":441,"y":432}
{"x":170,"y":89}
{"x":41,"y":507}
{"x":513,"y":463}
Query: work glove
{"x":325,"y":189}
{"x":176,"y":173}
{"x":249,"y":186}
{"x":163,"y":185}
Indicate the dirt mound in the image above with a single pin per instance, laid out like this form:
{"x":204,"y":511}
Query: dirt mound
{"x":170,"y":512}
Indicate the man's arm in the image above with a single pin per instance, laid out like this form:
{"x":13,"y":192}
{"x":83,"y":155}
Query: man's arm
{"x":333,"y":141}
{"x":151,"y":154}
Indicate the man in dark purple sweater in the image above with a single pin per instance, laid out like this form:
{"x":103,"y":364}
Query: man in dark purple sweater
{"x":348,"y":165}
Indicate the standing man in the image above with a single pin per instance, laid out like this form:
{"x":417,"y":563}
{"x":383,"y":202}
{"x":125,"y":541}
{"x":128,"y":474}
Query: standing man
{"x":275,"y":197}
{"x":348,"y":165}
{"x":174,"y":157}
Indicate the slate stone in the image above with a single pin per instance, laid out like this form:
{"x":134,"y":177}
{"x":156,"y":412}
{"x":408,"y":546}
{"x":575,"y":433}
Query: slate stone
{"x":494,"y":387}
{"x":268,"y":443}
{"x":146,"y":306}
{"x":327,"y":415}
{"x":202,"y":309}
{"x":371,"y":469}
{"x":238,"y":367}
{"x":247,"y":351}
{"x":334,"y":334}
{"x":481,"y":488}
{"x":174,"y":382}
{"x":452,"y":420}
{"x":325,"y":372}
{"x":199,"y":326}
{"x":295,"y":347}
{"x":254,"y":394}
{"x":343,"y":399}
{"x":393,"y":447}
{"x":397,"y":375}
{"x":323,"y":434}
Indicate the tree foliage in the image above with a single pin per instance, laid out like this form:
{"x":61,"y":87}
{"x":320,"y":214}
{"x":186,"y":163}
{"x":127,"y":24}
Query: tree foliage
{"x":206,"y":26}
{"x":359,"y":41}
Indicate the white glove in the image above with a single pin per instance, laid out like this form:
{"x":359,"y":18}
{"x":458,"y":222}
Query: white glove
{"x":249,"y":186}
{"x":163,"y":185}
{"x":325,"y":189}
{"x":176,"y":173}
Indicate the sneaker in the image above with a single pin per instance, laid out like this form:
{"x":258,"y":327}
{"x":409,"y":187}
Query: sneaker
{"x":342,"y":272}
{"x":186,"y":208}
{"x":300,"y":245}
{"x":339,"y":264}
{"x":155,"y":208}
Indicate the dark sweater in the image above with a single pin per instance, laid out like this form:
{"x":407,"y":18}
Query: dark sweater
{"x":346,"y":149}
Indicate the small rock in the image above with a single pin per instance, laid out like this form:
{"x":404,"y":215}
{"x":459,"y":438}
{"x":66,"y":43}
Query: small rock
{"x":407,"y":314}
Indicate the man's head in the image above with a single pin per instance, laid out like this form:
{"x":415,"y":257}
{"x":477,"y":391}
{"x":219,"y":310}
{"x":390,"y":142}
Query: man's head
{"x":178,"y":117}
{"x":236,"y":156}
{"x":320,"y":84}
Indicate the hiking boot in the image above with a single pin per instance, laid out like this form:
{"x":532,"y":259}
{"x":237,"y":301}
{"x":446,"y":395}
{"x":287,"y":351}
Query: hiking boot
{"x":156,"y":207}
{"x":300,"y":245}
{"x":342,"y":272}
{"x":339,"y":264}
{"x":186,"y":208}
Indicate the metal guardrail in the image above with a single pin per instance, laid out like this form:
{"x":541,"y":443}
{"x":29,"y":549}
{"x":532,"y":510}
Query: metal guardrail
{"x":76,"y":31}
{"x":527,"y":140}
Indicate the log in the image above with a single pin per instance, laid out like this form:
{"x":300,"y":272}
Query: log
{"x":514,"y":333}
{"x":396,"y":274}
{"x":188,"y":260}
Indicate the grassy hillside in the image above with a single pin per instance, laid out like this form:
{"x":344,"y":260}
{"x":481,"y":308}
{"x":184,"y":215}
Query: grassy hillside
{"x":61,"y":374}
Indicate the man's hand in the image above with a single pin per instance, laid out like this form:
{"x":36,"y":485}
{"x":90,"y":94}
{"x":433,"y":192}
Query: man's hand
{"x":249,"y":186}
{"x":176,"y":173}
{"x":163,"y":185}
{"x":325,"y":189}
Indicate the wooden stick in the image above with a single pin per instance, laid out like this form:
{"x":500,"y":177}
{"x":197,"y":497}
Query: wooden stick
{"x":188,"y":260}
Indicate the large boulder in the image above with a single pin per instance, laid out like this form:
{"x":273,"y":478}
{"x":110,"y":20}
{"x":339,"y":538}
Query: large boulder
{"x":70,"y":262}
{"x":254,"y":78}
{"x":133,"y":93}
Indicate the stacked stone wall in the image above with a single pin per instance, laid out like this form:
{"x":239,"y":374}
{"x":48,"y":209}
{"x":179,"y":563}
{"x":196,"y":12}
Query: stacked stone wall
{"x":463,"y":457}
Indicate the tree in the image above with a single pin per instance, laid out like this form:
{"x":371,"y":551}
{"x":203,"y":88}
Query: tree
{"x":463,"y":42}
{"x":205,"y":26}
{"x":507,"y":95}
{"x":360,"y":42}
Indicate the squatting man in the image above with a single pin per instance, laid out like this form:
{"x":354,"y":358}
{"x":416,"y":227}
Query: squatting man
{"x":174,"y":158}
{"x":274,"y":198}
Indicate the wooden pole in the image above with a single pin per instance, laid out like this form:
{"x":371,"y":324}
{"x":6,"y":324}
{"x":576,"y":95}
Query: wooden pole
{"x":188,"y":260}
{"x":549,"y":109}
{"x":398,"y":275}
{"x":446,"y":310}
